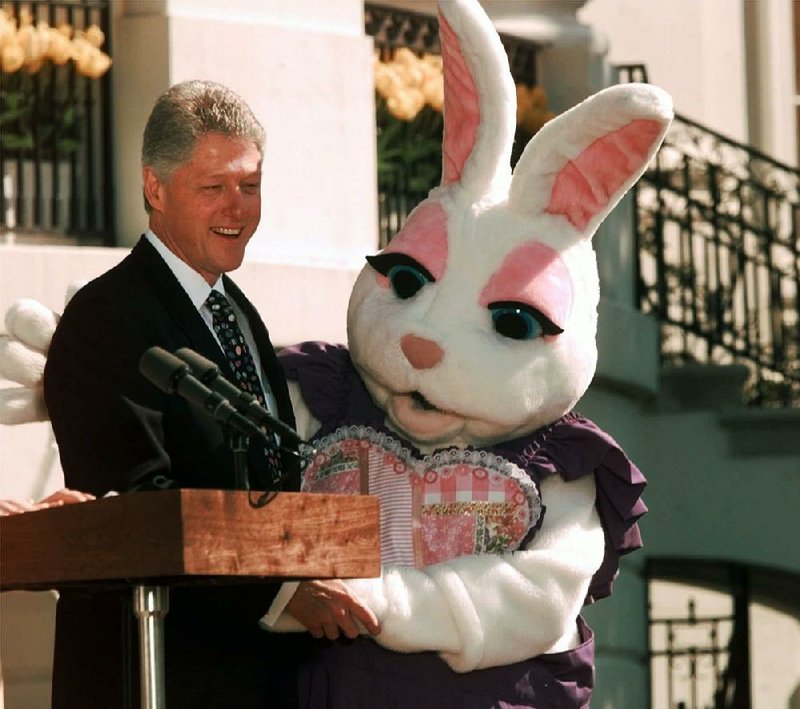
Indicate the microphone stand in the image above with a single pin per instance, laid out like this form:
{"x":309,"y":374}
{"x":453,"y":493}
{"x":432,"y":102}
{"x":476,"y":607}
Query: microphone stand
{"x":238,"y":443}
{"x":238,"y":413}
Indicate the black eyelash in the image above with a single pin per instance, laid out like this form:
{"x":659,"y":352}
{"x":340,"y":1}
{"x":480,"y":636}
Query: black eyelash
{"x":383,"y":263}
{"x":548,"y":326}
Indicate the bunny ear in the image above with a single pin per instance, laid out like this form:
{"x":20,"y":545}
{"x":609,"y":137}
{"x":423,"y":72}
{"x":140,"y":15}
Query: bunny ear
{"x":479,"y":100}
{"x":580,"y":164}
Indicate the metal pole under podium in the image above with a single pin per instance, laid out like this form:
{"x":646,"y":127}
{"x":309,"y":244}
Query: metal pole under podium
{"x":150,"y":605}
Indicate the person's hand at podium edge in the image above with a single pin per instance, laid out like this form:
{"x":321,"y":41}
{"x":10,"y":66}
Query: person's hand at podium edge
{"x":65,"y":496}
{"x":329,"y":609}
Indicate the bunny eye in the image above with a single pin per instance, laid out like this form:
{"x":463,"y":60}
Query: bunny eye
{"x":520,"y":321}
{"x":406,"y":281}
{"x":405,"y":275}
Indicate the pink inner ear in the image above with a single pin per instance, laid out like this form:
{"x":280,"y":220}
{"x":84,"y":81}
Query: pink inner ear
{"x":462,"y":112}
{"x":585,"y":185}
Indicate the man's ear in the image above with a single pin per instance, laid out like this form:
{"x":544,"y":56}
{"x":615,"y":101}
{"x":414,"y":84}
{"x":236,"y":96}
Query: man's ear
{"x":153,"y":189}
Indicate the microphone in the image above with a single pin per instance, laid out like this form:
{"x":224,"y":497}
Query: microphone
{"x":208,"y":373}
{"x":172,"y":375}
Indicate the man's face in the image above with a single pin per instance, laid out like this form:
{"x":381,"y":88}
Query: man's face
{"x":209,"y":207}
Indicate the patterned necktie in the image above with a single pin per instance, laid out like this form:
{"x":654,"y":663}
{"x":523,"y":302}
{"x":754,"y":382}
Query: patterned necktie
{"x":243,"y":366}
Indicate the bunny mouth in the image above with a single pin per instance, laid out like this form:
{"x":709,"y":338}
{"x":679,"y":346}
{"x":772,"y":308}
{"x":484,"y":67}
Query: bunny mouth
{"x":420,"y":419}
{"x":420,"y":402}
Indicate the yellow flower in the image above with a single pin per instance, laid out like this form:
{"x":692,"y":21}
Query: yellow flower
{"x":89,"y":60}
{"x":408,"y":82}
{"x":405,"y":105}
{"x":94,"y":35}
{"x":28,"y":47}
{"x":13,"y":57}
{"x":8,"y":28}
{"x":434,"y":61}
{"x":387,"y":79}
{"x":433,"y":90}
{"x":25,"y":17}
{"x":95,"y":65}
{"x":32,"y":44}
{"x":59,"y":48}
{"x":433,"y":84}
{"x":405,"y":57}
{"x":532,"y":111}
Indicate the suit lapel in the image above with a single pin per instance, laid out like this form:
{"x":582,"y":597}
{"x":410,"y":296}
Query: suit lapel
{"x":174,"y":300}
{"x":187,"y":319}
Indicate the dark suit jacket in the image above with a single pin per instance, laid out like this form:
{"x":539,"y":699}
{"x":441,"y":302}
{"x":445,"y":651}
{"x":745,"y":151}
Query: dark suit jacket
{"x":117,"y":431}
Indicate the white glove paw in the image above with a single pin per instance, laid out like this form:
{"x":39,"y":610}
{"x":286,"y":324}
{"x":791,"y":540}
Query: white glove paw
{"x":23,"y":353}
{"x":31,"y":322}
{"x":22,"y":405}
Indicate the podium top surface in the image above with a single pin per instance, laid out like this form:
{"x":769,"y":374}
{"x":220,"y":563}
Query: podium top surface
{"x":177,"y":536}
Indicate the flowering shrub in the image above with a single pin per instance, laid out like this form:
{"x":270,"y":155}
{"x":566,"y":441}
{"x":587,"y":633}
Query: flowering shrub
{"x":27,"y":50}
{"x":409,"y":97}
{"x":408,"y":83}
{"x":27,"y":47}
{"x":532,"y":111}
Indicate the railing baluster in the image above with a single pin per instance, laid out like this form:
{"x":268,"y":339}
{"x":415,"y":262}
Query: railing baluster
{"x":107,"y":224}
{"x":739,"y":220}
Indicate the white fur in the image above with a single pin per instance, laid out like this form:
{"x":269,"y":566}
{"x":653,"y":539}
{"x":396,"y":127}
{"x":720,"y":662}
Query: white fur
{"x":487,"y":172}
{"x":504,"y":387}
{"x":486,"y":610}
{"x":31,"y":322}
{"x":22,"y":405}
{"x":23,"y":352}
{"x":20,"y":363}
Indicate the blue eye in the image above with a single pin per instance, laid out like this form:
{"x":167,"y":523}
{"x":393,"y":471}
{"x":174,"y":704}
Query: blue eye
{"x":516,"y":324}
{"x":406,"y":280}
{"x":405,"y":275}
{"x":519,"y":321}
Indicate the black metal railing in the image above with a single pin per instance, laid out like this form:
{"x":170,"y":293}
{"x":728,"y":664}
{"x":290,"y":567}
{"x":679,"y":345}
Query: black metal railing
{"x":400,"y":190}
{"x":695,"y":651}
{"x":719,"y":256}
{"x":391,"y":28}
{"x":56,"y":147}
{"x":703,"y":661}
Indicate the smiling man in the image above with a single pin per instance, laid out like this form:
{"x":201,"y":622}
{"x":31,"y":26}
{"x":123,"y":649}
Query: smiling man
{"x":201,"y":171}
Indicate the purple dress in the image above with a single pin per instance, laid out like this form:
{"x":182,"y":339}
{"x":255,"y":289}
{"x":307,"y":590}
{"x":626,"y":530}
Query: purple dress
{"x":360,"y":673}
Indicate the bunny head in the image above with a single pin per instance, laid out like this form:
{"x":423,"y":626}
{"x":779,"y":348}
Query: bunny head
{"x":477,"y":323}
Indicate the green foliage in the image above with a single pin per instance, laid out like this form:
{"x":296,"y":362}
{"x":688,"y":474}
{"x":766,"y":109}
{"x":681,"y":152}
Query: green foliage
{"x":409,"y":152}
{"x":37,"y":122}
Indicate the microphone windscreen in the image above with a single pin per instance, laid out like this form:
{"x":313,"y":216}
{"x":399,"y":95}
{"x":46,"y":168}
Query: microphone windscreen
{"x":162,"y":368}
{"x":204,"y":369}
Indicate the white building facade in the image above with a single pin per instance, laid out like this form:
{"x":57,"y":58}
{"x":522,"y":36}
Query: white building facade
{"x":724,"y":480}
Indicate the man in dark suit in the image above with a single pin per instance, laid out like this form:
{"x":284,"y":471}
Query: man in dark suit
{"x":201,"y":168}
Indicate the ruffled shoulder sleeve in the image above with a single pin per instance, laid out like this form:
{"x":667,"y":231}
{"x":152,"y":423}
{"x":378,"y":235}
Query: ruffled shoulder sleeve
{"x":573,"y":447}
{"x":324,"y":373}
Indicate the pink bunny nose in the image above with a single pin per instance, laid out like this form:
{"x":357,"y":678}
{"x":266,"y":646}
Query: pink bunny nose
{"x":422,"y":353}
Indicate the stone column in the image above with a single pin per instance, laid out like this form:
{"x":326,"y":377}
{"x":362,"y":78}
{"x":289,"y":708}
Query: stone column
{"x":306,"y":70}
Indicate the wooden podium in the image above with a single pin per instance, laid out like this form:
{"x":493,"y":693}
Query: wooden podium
{"x":153,"y":540}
